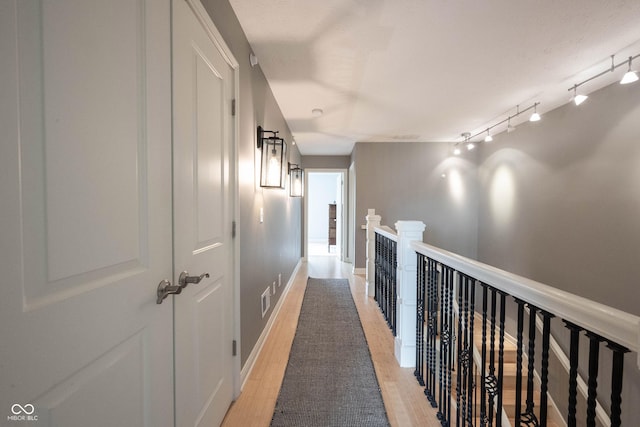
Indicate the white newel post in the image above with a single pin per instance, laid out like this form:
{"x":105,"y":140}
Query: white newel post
{"x":406,"y":276}
{"x":373,"y":221}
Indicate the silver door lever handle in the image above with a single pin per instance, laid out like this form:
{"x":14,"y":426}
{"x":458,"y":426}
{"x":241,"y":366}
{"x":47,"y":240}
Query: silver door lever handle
{"x":185,"y":279}
{"x":165,"y":288}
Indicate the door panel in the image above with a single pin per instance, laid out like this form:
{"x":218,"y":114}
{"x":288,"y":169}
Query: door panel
{"x":68,"y":109}
{"x":118,"y":374}
{"x":210,"y":151}
{"x":203,"y":90}
{"x":86,"y":215}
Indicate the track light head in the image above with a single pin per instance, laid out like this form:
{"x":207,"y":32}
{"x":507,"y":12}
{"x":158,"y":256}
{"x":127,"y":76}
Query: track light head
{"x":630,"y":76}
{"x":488,"y":138}
{"x":578,"y":98}
{"x":535,"y":117}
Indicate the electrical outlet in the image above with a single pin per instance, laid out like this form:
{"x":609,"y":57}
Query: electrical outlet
{"x":279,"y":279}
{"x":261,"y":215}
{"x":265,"y":301}
{"x":274,"y":288}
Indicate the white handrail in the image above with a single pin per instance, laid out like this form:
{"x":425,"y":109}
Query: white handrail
{"x":616,"y":325}
{"x":387,"y":232}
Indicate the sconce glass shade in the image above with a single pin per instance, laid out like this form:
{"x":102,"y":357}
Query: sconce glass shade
{"x":296,"y":186}
{"x":273,"y":160}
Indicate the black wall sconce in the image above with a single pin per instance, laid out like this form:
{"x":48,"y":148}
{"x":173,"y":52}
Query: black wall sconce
{"x":273,"y":159}
{"x":296,"y":177}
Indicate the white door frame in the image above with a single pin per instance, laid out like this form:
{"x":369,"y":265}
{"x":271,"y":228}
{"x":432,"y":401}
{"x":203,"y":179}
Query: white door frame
{"x":216,"y":37}
{"x":343,"y":235}
{"x":351,"y":216}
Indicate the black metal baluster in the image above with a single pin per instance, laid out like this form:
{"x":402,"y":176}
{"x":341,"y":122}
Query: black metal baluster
{"x":444,"y":343}
{"x":438,"y":278}
{"x":432,"y":312}
{"x":459,"y":358}
{"x":529,"y":415}
{"x":452,"y":338}
{"x":573,"y":372}
{"x":429,"y":390}
{"x":519,"y":345}
{"x":391,"y":287}
{"x":387,"y":281}
{"x":475,"y":407}
{"x":492,"y":381}
{"x":394,"y":266}
{"x":501,"y":360}
{"x":420,"y":315}
{"x":378,"y":272}
{"x":464,"y":337}
{"x":616,"y":382}
{"x":385,"y":284}
{"x":594,"y":354}
{"x":483,"y":372}
{"x":472,"y":304}
{"x":544,"y":372}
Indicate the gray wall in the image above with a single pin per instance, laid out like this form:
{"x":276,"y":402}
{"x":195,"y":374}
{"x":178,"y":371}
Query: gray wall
{"x":559,"y":199}
{"x":326,"y":162}
{"x":273,"y":247}
{"x":559,"y":202}
{"x":403,"y":181}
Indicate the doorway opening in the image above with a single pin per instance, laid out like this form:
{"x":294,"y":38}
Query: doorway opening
{"x":324,"y":213}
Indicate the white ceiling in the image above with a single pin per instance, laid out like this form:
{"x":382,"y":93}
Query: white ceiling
{"x":428,"y":70}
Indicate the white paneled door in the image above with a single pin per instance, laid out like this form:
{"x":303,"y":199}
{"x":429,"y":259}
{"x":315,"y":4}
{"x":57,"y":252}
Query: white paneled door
{"x":98,"y":205}
{"x":203,"y":90}
{"x":85,"y":226}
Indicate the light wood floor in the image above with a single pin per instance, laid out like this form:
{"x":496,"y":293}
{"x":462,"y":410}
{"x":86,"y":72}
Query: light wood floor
{"x":404,"y":399}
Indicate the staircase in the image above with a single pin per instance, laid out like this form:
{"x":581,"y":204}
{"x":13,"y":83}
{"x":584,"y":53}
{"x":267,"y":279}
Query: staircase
{"x":509,"y":381}
{"x":509,"y":386}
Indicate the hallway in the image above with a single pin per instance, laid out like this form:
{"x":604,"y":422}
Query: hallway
{"x":404,"y":399}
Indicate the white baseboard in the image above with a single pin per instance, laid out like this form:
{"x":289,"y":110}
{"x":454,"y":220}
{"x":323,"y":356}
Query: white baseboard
{"x":251,"y":360}
{"x":359,"y":270}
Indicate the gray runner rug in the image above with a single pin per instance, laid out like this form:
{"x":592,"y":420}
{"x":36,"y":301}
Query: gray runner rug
{"x":330,"y":380}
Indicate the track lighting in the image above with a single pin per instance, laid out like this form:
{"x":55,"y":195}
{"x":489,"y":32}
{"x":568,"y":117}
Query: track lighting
{"x":535,"y":117}
{"x":488,"y":138}
{"x":578,"y":98}
{"x":630,"y":76}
